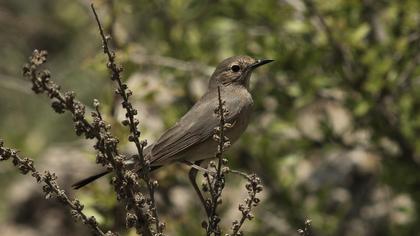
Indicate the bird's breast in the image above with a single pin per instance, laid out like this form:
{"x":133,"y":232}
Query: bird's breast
{"x":242,"y":104}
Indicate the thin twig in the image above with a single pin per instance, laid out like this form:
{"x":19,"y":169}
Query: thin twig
{"x":132,"y":122}
{"x":348,"y":68}
{"x":253,"y":187}
{"x":188,"y":66}
{"x":51,"y":188}
{"x":216,"y":184}
{"x":125,"y":182}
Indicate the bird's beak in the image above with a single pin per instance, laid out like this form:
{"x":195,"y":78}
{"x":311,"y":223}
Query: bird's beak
{"x":260,"y":63}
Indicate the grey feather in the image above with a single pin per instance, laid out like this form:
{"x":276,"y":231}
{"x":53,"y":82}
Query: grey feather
{"x":196,"y":126}
{"x":190,"y":139}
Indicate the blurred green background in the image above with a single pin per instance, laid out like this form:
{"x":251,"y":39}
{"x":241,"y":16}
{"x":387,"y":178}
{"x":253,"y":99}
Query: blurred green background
{"x":334,"y":134}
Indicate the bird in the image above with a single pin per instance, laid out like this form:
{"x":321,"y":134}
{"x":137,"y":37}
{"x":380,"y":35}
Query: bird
{"x":190,"y":140}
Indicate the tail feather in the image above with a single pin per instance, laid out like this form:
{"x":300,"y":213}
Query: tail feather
{"x":92,"y":178}
{"x":89,"y":179}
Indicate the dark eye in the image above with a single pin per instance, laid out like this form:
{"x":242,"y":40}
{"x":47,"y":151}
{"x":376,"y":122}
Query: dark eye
{"x":235,"y":68}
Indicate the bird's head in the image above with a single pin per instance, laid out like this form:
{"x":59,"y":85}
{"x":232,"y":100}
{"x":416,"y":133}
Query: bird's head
{"x":235,"y":70}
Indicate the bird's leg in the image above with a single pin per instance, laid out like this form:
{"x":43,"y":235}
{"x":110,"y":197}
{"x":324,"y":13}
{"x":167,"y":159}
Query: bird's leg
{"x":193,"y":177}
{"x":198,"y":167}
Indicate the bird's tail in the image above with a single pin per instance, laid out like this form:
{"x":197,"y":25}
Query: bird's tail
{"x":89,"y":179}
{"x":92,"y":178}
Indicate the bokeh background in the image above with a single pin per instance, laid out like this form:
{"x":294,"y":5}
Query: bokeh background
{"x":334,"y":134}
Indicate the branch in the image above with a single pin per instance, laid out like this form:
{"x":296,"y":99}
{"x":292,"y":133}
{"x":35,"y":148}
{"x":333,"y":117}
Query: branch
{"x":189,"y":66}
{"x":348,"y":68}
{"x":216,"y":183}
{"x":132,"y":122}
{"x":125,"y":183}
{"x":253,"y":187}
{"x":51,"y":188}
{"x":354,"y":75}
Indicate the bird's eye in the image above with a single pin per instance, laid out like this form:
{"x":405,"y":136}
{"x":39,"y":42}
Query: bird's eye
{"x":235,"y":68}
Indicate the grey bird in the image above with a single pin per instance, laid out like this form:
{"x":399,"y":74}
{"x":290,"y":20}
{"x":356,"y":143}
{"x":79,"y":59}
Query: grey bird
{"x":190,"y":140}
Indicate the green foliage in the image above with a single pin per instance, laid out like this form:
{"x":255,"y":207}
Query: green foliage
{"x":337,"y":145}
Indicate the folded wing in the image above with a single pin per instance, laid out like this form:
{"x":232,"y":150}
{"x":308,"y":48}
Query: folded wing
{"x":194,"y":127}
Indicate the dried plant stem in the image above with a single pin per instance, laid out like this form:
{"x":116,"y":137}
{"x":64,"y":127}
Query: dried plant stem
{"x":51,"y":188}
{"x":253,"y":187}
{"x":125,"y":183}
{"x":216,"y":183}
{"x":132,"y":122}
{"x":222,"y":137}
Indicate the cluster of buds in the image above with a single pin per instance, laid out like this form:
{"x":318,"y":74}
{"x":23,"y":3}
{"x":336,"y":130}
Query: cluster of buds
{"x":307,"y":229}
{"x":50,"y":187}
{"x":106,"y":144}
{"x":253,"y":187}
{"x":219,"y":131}
{"x":132,"y":123}
{"x":217,"y":136}
{"x":25,"y":165}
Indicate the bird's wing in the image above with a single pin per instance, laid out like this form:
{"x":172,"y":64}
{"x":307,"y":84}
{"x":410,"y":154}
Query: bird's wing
{"x":194,"y":127}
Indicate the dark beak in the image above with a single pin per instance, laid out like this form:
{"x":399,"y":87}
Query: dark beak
{"x":259,"y":63}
